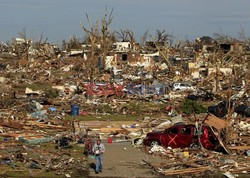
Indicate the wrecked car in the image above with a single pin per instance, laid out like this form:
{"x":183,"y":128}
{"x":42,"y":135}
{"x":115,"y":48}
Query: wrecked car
{"x":243,"y":110}
{"x":201,"y":95}
{"x":221,"y":109}
{"x":183,"y":136}
{"x":182,"y":87}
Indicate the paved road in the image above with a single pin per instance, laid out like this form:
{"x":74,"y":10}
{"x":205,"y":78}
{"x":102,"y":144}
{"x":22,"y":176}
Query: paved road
{"x":121,"y":160}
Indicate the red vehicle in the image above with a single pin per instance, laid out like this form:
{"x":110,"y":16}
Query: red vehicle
{"x":182,"y":136}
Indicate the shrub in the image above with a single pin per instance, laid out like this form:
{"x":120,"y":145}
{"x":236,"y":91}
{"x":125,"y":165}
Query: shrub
{"x":51,"y":93}
{"x":189,"y":107}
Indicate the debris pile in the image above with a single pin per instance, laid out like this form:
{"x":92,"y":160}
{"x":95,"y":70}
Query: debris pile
{"x":40,"y":159}
{"x":192,"y":99}
{"x":198,"y":163}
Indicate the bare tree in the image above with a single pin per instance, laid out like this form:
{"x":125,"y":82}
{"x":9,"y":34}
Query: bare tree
{"x":26,"y":44}
{"x":106,"y":38}
{"x":242,"y":34}
{"x":92,"y":35}
{"x":102,"y":36}
{"x":127,"y":36}
{"x":144,"y":38}
{"x":162,"y":36}
{"x":132,"y":39}
{"x":162,"y":42}
{"x":122,"y":35}
{"x":42,"y":40}
{"x":74,"y":43}
{"x":221,"y":37}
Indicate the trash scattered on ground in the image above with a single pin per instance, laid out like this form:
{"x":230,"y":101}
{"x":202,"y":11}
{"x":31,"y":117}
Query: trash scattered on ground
{"x":183,"y":109}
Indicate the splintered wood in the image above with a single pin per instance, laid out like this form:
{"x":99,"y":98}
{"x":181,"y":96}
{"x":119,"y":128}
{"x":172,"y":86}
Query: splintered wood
{"x":186,"y":171}
{"x":215,"y":122}
{"x":12,"y":124}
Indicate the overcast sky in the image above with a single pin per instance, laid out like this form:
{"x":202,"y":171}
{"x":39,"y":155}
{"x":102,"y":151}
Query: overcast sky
{"x":60,"y":19}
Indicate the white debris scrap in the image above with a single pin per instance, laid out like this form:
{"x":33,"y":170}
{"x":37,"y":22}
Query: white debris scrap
{"x":158,"y":148}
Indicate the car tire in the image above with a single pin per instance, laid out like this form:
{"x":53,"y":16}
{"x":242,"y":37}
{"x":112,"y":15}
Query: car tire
{"x":154,"y":142}
{"x":194,"y":146}
{"x":138,"y":142}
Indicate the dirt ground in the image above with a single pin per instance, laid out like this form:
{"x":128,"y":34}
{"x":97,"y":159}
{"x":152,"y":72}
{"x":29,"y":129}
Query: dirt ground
{"x":122,"y":160}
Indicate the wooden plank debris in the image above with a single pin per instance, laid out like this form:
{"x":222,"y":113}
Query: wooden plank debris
{"x":215,"y":122}
{"x":186,"y":171}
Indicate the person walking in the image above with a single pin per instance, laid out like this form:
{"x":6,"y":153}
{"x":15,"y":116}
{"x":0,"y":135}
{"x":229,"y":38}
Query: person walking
{"x":98,"y":150}
{"x":87,"y":145}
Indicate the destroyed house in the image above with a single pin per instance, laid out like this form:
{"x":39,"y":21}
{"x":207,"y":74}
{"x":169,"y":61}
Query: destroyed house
{"x":208,"y":48}
{"x":152,"y":45}
{"x":122,"y":46}
{"x":205,"y":44}
{"x":125,"y":57}
{"x":234,"y":47}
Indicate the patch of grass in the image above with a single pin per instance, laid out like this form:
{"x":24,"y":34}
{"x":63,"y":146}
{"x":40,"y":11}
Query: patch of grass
{"x":35,"y":87}
{"x":135,"y":106}
{"x":9,"y":75}
{"x":105,"y":109}
{"x":141,"y":107}
{"x":25,"y":173}
{"x":208,"y":103}
{"x":151,"y":105}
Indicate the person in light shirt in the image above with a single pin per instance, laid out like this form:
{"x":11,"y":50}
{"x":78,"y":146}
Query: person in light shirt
{"x":98,"y":150}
